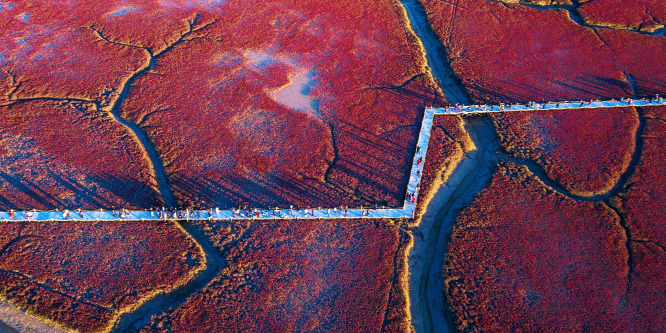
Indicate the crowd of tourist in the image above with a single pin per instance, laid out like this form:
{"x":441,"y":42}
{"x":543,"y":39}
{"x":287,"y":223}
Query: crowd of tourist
{"x":542,"y":105}
{"x":171,"y":213}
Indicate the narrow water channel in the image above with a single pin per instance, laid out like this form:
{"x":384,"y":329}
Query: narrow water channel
{"x":470,"y":177}
{"x":435,"y":51}
{"x":426,"y":260}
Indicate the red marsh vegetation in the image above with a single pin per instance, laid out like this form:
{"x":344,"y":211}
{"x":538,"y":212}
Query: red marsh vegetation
{"x":82,"y":275}
{"x":327,"y":275}
{"x":586,"y":151}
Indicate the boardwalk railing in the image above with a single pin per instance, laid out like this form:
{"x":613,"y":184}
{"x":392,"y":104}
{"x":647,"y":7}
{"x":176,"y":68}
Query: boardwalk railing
{"x":566,"y":105}
{"x":406,"y":211}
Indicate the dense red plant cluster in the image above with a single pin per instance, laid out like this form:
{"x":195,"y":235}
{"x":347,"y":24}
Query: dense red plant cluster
{"x":327,"y":275}
{"x":246,"y":103}
{"x":586,"y":155}
{"x":269,"y":106}
{"x":319,"y":103}
{"x":82,"y":274}
{"x":643,"y":206}
{"x":43,"y":301}
{"x":500,"y":55}
{"x":517,"y":60}
{"x":523,"y":257}
{"x":52,"y":52}
{"x":640,"y":55}
{"x":640,"y":15}
{"x":57,"y":148}
{"x":59,"y":155}
{"x":304,"y":275}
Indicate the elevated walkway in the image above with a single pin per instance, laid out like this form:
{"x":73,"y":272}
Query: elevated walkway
{"x":406,"y":211}
{"x":567,"y":105}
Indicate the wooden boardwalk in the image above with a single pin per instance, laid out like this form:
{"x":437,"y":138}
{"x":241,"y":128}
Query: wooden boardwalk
{"x":550,"y":106}
{"x":406,"y":211}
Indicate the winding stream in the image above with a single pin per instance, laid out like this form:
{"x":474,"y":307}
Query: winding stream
{"x":435,"y":52}
{"x":138,"y":318}
{"x":471,"y":175}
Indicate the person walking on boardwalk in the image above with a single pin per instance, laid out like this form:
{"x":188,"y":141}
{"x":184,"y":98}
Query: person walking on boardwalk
{"x":11,"y":213}
{"x":418,"y":162}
